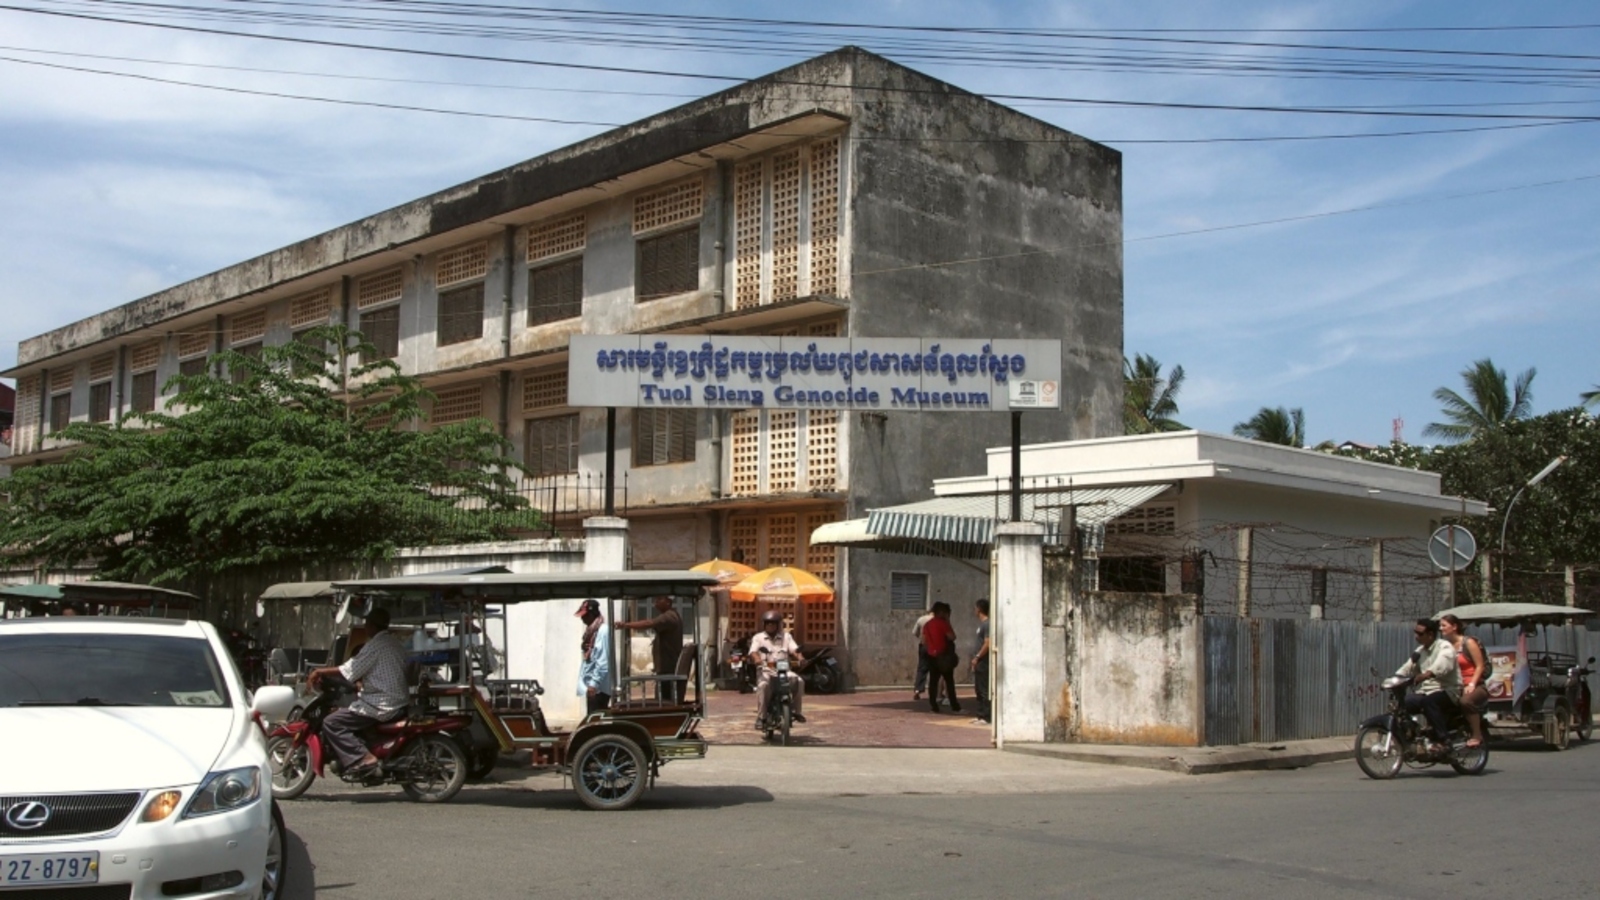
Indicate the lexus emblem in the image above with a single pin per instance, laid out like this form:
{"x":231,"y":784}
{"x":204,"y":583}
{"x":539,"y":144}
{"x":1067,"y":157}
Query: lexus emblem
{"x":27,"y":815}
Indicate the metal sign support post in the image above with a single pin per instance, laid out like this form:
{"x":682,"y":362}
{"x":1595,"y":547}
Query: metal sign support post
{"x":1016,"y":465}
{"x":611,"y":461}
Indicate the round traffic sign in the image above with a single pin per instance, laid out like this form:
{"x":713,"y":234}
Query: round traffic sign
{"x":1452,"y":548}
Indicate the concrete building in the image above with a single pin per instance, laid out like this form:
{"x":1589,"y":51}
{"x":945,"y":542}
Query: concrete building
{"x":845,"y":196}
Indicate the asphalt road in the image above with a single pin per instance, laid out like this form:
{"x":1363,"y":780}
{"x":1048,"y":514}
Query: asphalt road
{"x":1527,"y":828}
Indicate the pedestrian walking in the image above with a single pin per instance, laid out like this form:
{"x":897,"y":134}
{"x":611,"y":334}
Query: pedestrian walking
{"x":594,"y":672}
{"x":980,"y":663}
{"x":940,"y":638}
{"x":921,"y":682}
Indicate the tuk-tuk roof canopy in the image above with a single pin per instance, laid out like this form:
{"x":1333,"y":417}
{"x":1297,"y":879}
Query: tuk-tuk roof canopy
{"x":299,"y":590}
{"x":31,"y":591}
{"x":118,"y":593}
{"x":1511,"y":613}
{"x":541,"y":586}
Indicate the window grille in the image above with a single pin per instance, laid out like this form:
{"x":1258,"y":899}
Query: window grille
{"x":248,"y":327}
{"x":1160,"y":518}
{"x":385,"y":287}
{"x":825,"y":217}
{"x":829,"y":328}
{"x":668,"y":264}
{"x":663,"y":436}
{"x":103,"y":367}
{"x":744,"y":540}
{"x":747,"y":189}
{"x":193,"y":343}
{"x":552,"y":445}
{"x":786,"y":226}
{"x":555,"y":292}
{"x":745,"y":457}
{"x":820,"y":560}
{"x":783,"y":546}
{"x":144,"y":392}
{"x":908,"y":590}
{"x":24,"y":436}
{"x":100,"y":402}
{"x":671,"y":205}
{"x":568,"y":235}
{"x":822,"y":449}
{"x":457,"y":404}
{"x":460,"y":315}
{"x":60,"y":411}
{"x":381,"y":327}
{"x":783,"y":450}
{"x":463,"y":264}
{"x":311,"y":309}
{"x":145,"y":357}
{"x":546,"y":389}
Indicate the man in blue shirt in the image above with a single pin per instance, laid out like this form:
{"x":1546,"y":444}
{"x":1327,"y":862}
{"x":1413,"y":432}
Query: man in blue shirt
{"x":594,"y":673}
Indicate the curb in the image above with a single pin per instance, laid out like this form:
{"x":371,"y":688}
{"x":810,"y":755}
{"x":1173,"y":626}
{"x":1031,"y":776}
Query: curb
{"x":1191,"y":761}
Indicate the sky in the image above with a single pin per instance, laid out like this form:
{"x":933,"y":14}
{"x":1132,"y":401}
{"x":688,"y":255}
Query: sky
{"x":1277,"y":259}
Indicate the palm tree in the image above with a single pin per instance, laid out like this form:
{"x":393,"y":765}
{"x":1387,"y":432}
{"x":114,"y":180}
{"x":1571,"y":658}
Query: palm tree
{"x":1590,"y":398}
{"x":1149,"y":402}
{"x":1275,"y":425}
{"x":1488,"y":405}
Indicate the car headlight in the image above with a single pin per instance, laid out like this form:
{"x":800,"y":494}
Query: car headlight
{"x":224,"y":791}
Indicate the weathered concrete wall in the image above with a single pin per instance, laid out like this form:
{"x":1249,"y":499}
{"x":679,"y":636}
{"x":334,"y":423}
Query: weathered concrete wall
{"x":1135,"y":670}
{"x":1059,"y":597}
{"x":940,"y":176}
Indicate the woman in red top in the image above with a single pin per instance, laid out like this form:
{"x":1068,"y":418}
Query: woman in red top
{"x":940,"y":639}
{"x":1470,"y":661}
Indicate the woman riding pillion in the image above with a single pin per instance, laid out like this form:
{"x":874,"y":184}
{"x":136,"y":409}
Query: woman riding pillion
{"x":1472,"y":662}
{"x":1434,"y":676}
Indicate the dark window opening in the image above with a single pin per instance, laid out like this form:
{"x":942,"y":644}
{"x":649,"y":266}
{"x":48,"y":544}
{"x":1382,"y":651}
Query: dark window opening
{"x":100,"y":402}
{"x":144,"y":392}
{"x":668,"y":264}
{"x":908,"y":590}
{"x":381,"y":328}
{"x":662,"y":436}
{"x":555,"y":292}
{"x":461,"y":314}
{"x":1133,"y":574}
{"x":552,"y":445}
{"x":60,"y":411}
{"x":195,"y":366}
{"x":241,"y":374}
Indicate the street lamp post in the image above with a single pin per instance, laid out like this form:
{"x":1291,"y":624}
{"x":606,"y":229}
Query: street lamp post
{"x":1551,"y":467}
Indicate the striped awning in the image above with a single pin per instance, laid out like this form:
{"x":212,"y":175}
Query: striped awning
{"x":973,"y":519}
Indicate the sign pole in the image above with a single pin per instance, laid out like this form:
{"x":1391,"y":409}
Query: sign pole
{"x":1016,"y":465}
{"x":611,"y":461}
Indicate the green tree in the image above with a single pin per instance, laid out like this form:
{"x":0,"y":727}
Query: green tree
{"x":1275,"y":425}
{"x":1487,"y":406}
{"x":1149,"y":401}
{"x":273,"y":463}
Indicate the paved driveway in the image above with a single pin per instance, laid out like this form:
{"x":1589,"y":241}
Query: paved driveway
{"x":887,"y":718}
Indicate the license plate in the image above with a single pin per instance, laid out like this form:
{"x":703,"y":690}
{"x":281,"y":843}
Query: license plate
{"x":49,"y":868}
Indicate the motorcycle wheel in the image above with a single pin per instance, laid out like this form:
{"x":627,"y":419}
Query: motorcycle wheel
{"x":788,"y":716}
{"x":609,"y":772}
{"x":1583,"y":723}
{"x":291,"y":767}
{"x":276,"y":871}
{"x":825,"y":680}
{"x":1470,"y":760}
{"x":1379,"y":754}
{"x":437,"y":769}
{"x":483,"y":763}
{"x":1558,"y":730}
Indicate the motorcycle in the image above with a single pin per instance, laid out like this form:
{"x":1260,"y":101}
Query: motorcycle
{"x":423,"y":751}
{"x":248,"y":656}
{"x":779,"y":714}
{"x":1395,"y":739}
{"x":819,"y":668}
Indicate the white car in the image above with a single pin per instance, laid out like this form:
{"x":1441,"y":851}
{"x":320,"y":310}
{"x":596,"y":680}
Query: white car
{"x":132,"y":764}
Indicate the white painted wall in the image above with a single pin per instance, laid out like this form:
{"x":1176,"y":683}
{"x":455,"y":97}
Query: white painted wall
{"x":1017,"y":633}
{"x":1135,"y":670}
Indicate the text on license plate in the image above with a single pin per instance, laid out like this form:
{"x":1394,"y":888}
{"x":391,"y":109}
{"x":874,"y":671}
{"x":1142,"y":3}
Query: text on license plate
{"x":49,"y":868}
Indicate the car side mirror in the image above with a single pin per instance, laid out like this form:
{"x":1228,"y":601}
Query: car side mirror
{"x":272,"y":702}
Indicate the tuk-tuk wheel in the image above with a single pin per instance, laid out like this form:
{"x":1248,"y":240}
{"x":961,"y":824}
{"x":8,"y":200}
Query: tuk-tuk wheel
{"x":482,"y":763}
{"x":1558,"y":730}
{"x":609,"y":772}
{"x":1584,"y":728}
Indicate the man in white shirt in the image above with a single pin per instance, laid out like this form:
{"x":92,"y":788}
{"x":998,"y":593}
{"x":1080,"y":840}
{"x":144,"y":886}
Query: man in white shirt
{"x":922,"y":656}
{"x":1435,"y":679}
{"x":768,"y":647}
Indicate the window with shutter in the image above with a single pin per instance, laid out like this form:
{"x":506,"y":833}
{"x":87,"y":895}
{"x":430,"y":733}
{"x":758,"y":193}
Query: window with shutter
{"x":460,"y":315}
{"x":60,"y":411}
{"x":144,"y":392}
{"x":100,"y":402}
{"x":908,"y":590}
{"x":555,"y":292}
{"x":552,"y":445}
{"x":663,"y":436}
{"x":668,"y":264}
{"x":381,"y":327}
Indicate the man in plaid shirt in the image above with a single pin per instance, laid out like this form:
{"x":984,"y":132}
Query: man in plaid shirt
{"x":380,"y":668}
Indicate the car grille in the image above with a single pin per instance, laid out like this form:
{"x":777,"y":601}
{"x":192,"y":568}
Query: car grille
{"x":70,"y":814}
{"x":80,"y":892}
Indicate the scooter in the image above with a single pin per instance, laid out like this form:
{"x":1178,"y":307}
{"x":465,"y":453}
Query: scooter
{"x":1395,"y":739}
{"x":422,"y":751}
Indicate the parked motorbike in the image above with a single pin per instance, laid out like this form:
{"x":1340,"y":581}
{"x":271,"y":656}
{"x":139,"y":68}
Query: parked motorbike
{"x":423,"y":751}
{"x":248,"y":655}
{"x":1395,"y":739}
{"x":779,"y":714}
{"x":740,"y":666}
{"x":820,"y":669}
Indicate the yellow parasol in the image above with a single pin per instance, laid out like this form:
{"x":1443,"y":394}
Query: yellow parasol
{"x":727,"y":571}
{"x":781,"y":583}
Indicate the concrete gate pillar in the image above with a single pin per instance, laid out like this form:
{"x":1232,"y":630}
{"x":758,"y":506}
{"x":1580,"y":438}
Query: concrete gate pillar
{"x":605,"y":549}
{"x":1017,"y":633}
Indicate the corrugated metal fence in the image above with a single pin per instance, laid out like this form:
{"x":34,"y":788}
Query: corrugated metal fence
{"x":1295,"y":679}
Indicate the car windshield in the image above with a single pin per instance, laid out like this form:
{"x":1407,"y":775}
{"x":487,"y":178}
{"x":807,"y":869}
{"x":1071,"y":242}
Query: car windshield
{"x":97,"y":669}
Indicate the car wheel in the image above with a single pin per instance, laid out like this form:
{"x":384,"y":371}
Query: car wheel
{"x":438,"y":769}
{"x":276,"y":871}
{"x":609,"y":772}
{"x":291,"y":767}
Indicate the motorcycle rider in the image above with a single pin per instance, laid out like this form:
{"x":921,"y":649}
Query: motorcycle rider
{"x":767,"y":648}
{"x":380,"y":667}
{"x":1434,"y":677}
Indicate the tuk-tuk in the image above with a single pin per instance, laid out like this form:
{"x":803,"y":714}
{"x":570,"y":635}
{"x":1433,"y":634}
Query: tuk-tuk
{"x":100,"y":598}
{"x":614,"y":754}
{"x":1539,"y":689}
